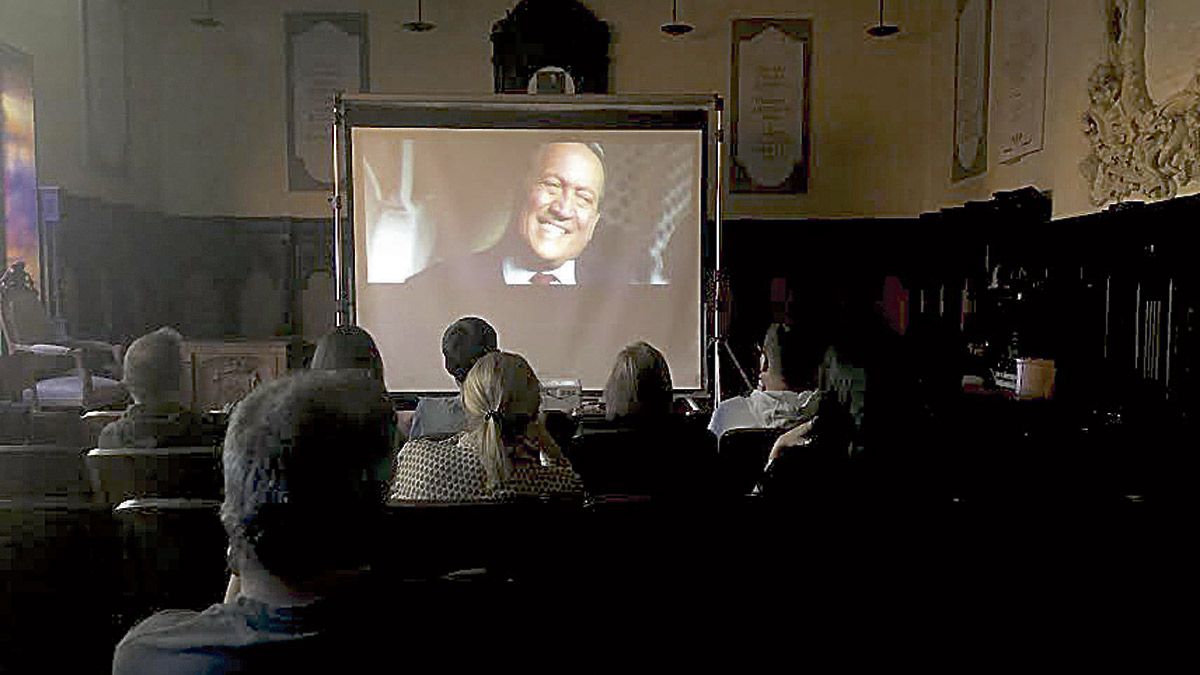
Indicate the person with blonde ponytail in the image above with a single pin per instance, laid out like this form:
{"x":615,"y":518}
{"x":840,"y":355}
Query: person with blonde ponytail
{"x":505,"y":451}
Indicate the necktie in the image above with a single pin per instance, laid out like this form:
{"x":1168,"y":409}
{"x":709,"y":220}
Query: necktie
{"x":543,"y":279}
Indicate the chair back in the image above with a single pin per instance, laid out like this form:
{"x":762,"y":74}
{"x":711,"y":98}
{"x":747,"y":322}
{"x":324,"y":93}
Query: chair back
{"x":671,"y":458}
{"x":611,"y":460}
{"x":43,"y":471}
{"x":23,"y":317}
{"x":529,"y":538}
{"x":741,"y":456}
{"x":118,"y":474}
{"x":94,"y":422}
{"x":58,"y":563}
{"x":174,"y":554}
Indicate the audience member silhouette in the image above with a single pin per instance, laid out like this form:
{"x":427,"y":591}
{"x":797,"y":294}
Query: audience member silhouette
{"x":787,"y":383}
{"x":464,"y":342}
{"x":643,"y":448}
{"x":348,"y":348}
{"x":153,"y":376}
{"x":504,"y":453}
{"x":306,"y":460}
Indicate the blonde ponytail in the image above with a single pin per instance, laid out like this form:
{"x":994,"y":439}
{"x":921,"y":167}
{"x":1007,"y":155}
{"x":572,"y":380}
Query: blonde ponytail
{"x":490,"y":443}
{"x":500,"y":390}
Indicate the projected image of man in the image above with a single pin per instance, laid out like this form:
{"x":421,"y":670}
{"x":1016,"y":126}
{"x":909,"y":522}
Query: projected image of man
{"x":559,"y":215}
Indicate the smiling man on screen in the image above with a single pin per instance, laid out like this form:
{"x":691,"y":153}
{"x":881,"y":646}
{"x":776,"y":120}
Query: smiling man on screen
{"x":556,"y":212}
{"x":558,"y":216}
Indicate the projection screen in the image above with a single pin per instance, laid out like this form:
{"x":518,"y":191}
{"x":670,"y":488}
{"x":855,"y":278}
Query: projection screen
{"x":573,"y":227}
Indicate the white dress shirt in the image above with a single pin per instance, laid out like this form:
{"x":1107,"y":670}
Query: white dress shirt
{"x":515,"y":275}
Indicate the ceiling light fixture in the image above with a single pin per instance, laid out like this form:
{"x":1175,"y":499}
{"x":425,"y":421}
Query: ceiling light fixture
{"x":676,"y":28}
{"x":882,"y":30}
{"x":205,"y":17}
{"x":420,"y":25}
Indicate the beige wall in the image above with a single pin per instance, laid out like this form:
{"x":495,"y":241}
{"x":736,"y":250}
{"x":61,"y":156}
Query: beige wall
{"x":208,"y":105}
{"x":50,"y":30}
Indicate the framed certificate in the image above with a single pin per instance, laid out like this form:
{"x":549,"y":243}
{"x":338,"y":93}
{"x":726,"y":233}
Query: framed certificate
{"x":770,"y":103}
{"x":326,"y":54}
{"x":974,"y":29}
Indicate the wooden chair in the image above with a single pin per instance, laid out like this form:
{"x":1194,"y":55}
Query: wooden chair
{"x":611,"y":461}
{"x":43,"y":472}
{"x":15,"y":377}
{"x":58,"y":567}
{"x":118,"y":474}
{"x":173,"y":555}
{"x":62,"y":368}
{"x":671,"y":459}
{"x":94,"y":422}
{"x":529,"y":539}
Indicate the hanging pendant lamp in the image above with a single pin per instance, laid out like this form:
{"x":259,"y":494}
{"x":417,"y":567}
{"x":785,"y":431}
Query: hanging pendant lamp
{"x":676,"y":28}
{"x":205,"y":17}
{"x":882,"y":30}
{"x":420,"y":25}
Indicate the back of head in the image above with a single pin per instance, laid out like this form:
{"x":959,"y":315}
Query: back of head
{"x":793,"y":356}
{"x":501,"y":396}
{"x":639,"y":385}
{"x":348,"y":348}
{"x":151,"y":369}
{"x":465,"y":342}
{"x":306,"y":463}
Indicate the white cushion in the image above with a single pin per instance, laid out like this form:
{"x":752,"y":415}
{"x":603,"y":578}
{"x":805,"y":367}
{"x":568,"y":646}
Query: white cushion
{"x":68,"y":391}
{"x":57,"y":350}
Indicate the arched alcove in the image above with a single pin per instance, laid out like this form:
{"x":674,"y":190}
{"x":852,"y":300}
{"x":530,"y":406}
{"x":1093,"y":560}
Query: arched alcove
{"x":539,"y":33}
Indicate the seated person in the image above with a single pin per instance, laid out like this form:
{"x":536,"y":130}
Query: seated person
{"x":306,"y":459}
{"x":463,"y":343}
{"x":156,"y":419}
{"x":642,"y":448}
{"x":813,"y":459}
{"x":348,"y":348}
{"x":352,"y":349}
{"x":787,"y":383}
{"x":504,"y":453}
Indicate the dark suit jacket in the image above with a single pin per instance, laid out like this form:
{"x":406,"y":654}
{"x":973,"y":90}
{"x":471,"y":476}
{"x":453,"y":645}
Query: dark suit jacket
{"x":486,"y":270}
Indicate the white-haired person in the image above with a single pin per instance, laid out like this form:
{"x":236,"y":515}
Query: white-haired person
{"x":157,"y":417}
{"x":643,"y":447}
{"x":306,"y":461}
{"x":505,"y":451}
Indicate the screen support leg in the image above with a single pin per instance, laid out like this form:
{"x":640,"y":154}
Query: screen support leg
{"x":721,"y":345}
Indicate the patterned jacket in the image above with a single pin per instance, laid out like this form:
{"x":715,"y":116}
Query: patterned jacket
{"x":450,"y":470}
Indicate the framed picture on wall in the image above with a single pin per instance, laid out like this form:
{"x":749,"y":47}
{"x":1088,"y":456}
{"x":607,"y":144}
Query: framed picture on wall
{"x":971,"y":73}
{"x":326,"y":54}
{"x":769,"y":97}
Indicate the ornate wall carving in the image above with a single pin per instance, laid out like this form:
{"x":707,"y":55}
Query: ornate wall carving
{"x":538,"y":33}
{"x":1139,"y":146}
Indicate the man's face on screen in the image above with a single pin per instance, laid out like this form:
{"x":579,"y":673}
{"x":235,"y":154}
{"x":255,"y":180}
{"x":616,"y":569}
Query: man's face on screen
{"x":563,"y":204}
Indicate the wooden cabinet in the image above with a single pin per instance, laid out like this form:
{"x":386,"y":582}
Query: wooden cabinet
{"x":220,"y":372}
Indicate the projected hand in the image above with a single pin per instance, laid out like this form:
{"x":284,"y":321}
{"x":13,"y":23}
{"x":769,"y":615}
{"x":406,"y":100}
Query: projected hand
{"x":398,"y":243}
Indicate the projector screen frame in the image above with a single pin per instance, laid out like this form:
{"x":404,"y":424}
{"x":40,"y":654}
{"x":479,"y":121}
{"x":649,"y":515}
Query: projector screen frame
{"x":551,"y":112}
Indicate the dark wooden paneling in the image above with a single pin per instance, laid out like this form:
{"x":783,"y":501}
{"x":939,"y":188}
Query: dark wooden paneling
{"x":126,"y":272}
